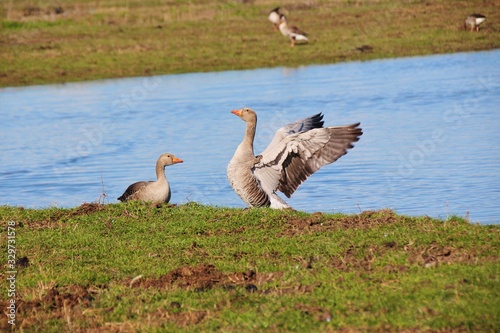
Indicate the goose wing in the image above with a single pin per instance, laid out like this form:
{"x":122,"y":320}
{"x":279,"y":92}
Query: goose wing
{"x":302,"y":125}
{"x":295,"y":30}
{"x":284,"y":165}
{"x":132,"y":190}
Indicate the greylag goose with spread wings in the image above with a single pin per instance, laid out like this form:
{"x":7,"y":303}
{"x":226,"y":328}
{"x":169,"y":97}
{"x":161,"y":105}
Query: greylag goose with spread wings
{"x":156,"y":192}
{"x":297,"y":151}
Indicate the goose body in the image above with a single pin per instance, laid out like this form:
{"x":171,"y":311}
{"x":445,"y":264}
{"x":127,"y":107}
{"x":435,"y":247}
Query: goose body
{"x":292,"y":32}
{"x":274,"y":17}
{"x":473,"y":21}
{"x":156,"y":192}
{"x":297,"y":151}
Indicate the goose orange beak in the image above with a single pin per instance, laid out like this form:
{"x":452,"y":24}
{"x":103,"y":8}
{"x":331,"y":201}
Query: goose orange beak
{"x":177,"y":160}
{"x":237,"y":112}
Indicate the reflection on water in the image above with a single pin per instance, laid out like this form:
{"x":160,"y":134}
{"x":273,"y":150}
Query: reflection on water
{"x":430,"y":143}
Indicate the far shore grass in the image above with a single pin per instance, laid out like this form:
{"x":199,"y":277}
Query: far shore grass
{"x":193,"y":268}
{"x":65,"y":41}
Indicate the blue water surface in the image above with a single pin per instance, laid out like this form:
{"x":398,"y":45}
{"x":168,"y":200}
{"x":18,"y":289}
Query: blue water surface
{"x":430,"y":144}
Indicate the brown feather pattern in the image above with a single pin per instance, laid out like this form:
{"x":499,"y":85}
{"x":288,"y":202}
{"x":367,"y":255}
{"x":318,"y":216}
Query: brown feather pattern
{"x":132,"y":189}
{"x":297,"y":168}
{"x":296,"y":152}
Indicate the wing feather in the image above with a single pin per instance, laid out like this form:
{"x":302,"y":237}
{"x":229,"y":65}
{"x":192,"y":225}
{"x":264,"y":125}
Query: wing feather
{"x":302,"y":125}
{"x":297,"y":31}
{"x":316,"y":154}
{"x":132,"y":190}
{"x":268,"y":172}
{"x":286,"y":164}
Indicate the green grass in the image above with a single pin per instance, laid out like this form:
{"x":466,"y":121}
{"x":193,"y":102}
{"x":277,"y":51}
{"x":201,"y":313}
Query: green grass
{"x":218,"y":269}
{"x":110,"y":39}
{"x":197,"y":268}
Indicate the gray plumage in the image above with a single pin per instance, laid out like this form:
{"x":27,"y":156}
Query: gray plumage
{"x":297,"y":151}
{"x":156,"y":192}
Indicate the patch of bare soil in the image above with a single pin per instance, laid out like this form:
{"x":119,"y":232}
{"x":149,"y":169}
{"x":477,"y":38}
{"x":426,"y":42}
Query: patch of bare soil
{"x":199,"y":278}
{"x":88,"y":208}
{"x":364,"y":259}
{"x":64,"y":302}
{"x":435,"y":254}
{"x":203,"y":277}
{"x":56,"y":216}
{"x":354,"y":258}
{"x":57,"y":298}
{"x":317,"y":222}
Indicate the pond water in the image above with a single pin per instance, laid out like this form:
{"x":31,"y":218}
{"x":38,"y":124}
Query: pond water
{"x":430,"y":144}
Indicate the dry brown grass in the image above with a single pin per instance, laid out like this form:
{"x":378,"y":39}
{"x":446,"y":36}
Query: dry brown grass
{"x":107,"y":39}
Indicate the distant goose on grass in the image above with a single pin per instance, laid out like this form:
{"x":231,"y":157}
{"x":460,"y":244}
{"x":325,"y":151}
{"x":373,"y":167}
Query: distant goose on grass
{"x":297,"y":151}
{"x":156,"y":192}
{"x":274,"y":17}
{"x":292,"y":32}
{"x":473,"y":21}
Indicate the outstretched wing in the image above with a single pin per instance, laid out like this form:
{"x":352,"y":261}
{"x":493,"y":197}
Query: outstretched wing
{"x":303,"y":125}
{"x":285,"y":165}
{"x":269,"y":173}
{"x":313,"y":150}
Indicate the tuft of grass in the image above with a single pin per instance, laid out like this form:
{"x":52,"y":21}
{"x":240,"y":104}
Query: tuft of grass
{"x":201,"y":268}
{"x":110,"y":39}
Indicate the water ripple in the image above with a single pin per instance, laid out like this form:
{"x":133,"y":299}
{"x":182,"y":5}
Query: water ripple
{"x":430,"y":143}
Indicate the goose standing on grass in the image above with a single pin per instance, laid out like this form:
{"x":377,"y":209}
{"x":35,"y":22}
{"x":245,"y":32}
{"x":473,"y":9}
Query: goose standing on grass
{"x":473,"y":21}
{"x":297,"y":151}
{"x":292,"y":32}
{"x":156,"y":192}
{"x":274,"y":17}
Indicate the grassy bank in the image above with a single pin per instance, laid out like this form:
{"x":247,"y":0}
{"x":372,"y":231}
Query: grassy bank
{"x":124,"y":268}
{"x":75,"y":40}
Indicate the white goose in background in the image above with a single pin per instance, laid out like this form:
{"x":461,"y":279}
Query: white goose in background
{"x":156,"y":192}
{"x":297,"y":151}
{"x":274,"y":17}
{"x":292,"y":32}
{"x":473,"y":21}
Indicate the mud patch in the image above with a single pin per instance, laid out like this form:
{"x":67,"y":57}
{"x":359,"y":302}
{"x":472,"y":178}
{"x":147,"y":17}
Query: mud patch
{"x":22,"y":262}
{"x":198,"y":277}
{"x":59,"y":298}
{"x":88,"y":208}
{"x":363,"y":259}
{"x":203,"y":277}
{"x":356,"y":258}
{"x":434,"y":254}
{"x":317,"y":222}
{"x":57,"y":303}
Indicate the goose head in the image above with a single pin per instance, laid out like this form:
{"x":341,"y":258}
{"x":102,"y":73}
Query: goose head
{"x":246,"y":114}
{"x":283,"y":19}
{"x":168,"y":159}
